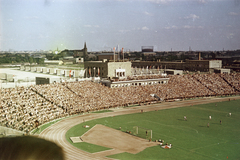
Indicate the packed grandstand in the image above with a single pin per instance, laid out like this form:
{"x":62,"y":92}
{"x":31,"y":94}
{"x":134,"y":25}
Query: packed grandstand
{"x":22,"y":107}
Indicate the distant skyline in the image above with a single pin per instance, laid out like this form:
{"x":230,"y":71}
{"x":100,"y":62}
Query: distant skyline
{"x":205,"y":25}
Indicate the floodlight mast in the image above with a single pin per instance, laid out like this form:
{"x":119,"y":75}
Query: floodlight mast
{"x":123,"y":54}
{"x":114,"y":54}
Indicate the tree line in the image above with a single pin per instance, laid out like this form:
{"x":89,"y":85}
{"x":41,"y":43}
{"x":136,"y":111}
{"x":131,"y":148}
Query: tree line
{"x":9,"y":58}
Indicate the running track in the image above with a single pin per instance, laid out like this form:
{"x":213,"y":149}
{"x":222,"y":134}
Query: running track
{"x":57,"y":131}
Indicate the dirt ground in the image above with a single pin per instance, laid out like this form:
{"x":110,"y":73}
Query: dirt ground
{"x":116,"y":139}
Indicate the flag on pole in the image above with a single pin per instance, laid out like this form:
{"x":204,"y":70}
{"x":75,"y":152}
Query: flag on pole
{"x":122,"y":54}
{"x":114,"y":53}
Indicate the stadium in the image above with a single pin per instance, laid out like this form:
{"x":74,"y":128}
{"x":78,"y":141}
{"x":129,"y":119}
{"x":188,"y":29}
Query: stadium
{"x":60,"y":112}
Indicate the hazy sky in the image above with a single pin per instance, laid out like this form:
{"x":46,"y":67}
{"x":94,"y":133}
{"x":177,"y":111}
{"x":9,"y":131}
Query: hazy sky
{"x":104,"y":24}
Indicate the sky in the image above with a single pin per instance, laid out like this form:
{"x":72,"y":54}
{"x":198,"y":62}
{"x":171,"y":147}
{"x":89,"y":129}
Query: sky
{"x":177,"y":25}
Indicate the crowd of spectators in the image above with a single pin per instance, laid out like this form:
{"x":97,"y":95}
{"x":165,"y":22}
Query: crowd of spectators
{"x":183,"y":86}
{"x":153,"y":76}
{"x":145,"y":77}
{"x":233,"y":79}
{"x":23,"y":108}
{"x":215,"y":83}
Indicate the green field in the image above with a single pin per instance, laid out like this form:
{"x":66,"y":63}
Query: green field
{"x":191,"y":139}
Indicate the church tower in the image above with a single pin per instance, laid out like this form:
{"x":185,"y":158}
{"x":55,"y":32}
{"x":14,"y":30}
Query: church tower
{"x":85,"y":51}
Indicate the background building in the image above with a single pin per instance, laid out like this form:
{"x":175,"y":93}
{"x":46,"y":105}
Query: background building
{"x":76,"y":53}
{"x":107,"y":69}
{"x":189,"y":65}
{"x":108,"y":56}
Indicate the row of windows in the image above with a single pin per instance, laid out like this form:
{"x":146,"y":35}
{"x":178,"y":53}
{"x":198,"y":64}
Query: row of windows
{"x":94,"y":71}
{"x":120,"y":74}
{"x":137,"y":84}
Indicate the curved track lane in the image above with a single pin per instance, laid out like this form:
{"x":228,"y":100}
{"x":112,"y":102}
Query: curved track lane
{"x":57,"y":131}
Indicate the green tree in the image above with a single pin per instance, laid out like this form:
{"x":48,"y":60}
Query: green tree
{"x":30,"y":60}
{"x":18,"y":58}
{"x":40,"y":60}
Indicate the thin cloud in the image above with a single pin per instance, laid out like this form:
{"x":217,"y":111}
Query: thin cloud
{"x":192,"y":16}
{"x":10,"y":20}
{"x":32,"y":17}
{"x":123,"y":31}
{"x":89,"y":26}
{"x":183,"y":27}
{"x":145,"y":28}
{"x":159,"y":1}
{"x":188,"y":27}
{"x":41,"y":36}
{"x":192,"y":27}
{"x":202,"y":1}
{"x":233,"y":13}
{"x":230,"y":35}
{"x":171,"y":27}
{"x":166,"y":1}
{"x":148,"y":14}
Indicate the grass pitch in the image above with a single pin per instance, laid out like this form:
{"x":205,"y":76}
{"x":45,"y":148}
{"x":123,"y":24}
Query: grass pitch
{"x":191,"y":139}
